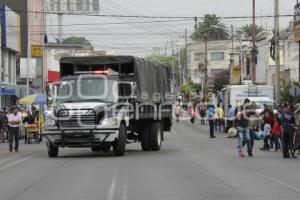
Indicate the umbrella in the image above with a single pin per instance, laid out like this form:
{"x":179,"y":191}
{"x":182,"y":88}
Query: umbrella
{"x":34,"y":99}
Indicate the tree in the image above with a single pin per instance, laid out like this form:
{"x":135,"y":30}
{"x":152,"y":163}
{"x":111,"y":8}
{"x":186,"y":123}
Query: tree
{"x":190,"y":89}
{"x":221,"y":79}
{"x":212,"y":28}
{"x":247,"y":31}
{"x":79,"y":40}
{"x":285,"y":95}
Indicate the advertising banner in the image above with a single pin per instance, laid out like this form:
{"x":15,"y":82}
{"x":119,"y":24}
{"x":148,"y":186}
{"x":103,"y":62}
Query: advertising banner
{"x":10,"y":29}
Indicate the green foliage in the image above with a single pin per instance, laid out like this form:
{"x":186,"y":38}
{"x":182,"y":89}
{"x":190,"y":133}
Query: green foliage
{"x":169,"y":60}
{"x":212,"y":28}
{"x":190,"y":89}
{"x":247,"y":31}
{"x":285,"y":95}
{"x":78,"y":40}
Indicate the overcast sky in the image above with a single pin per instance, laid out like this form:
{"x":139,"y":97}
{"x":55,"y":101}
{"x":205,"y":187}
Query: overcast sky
{"x":139,"y":38}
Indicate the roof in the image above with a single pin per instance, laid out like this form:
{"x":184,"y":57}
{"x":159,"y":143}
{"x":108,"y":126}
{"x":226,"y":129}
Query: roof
{"x":94,"y":60}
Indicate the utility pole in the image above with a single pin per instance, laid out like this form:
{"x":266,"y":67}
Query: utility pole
{"x":254,"y":44}
{"x":173,"y":68}
{"x":185,"y":67}
{"x":277,"y":52}
{"x":205,"y":64}
{"x":232,"y":38}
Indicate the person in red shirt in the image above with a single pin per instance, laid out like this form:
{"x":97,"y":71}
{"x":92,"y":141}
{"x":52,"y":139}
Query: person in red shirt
{"x":276,"y":134}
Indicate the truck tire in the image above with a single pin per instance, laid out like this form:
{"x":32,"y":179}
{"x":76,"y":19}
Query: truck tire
{"x":105,"y":147}
{"x":52,"y":151}
{"x":95,"y":148}
{"x":155,"y":136}
{"x":120,"y":143}
{"x":145,"y":143}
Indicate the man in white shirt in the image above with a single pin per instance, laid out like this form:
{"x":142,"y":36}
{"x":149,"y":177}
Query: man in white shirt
{"x":14,"y":122}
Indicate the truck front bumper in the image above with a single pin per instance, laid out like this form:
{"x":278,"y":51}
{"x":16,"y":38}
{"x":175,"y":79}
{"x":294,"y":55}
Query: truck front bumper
{"x":80,"y":137}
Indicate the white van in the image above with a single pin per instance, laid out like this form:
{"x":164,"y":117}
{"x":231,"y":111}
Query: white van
{"x":261,"y":101}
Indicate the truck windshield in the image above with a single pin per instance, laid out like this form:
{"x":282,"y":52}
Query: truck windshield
{"x":88,"y":89}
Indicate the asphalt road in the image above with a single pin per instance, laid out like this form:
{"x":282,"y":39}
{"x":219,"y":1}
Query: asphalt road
{"x":190,"y":166}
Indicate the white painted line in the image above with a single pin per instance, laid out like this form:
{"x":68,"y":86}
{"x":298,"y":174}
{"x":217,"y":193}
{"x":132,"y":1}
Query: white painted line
{"x":112,"y":187}
{"x":18,"y":161}
{"x":173,"y":131}
{"x":125,"y":188}
{"x":10,"y":158}
{"x":282,"y":183}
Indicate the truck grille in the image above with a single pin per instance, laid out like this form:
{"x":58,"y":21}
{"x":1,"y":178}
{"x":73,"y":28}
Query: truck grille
{"x":77,"y":120}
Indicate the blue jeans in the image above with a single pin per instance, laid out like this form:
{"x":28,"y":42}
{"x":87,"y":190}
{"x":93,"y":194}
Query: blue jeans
{"x":244,"y":138}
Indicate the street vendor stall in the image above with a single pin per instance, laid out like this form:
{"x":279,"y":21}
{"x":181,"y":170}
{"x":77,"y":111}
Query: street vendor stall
{"x":33,"y":131}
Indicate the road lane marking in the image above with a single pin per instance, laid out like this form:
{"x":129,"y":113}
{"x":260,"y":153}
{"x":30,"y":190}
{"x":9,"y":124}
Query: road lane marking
{"x":112,"y":187}
{"x":18,"y":161}
{"x":125,"y":188}
{"x":173,"y":131}
{"x":9,"y":158}
{"x":282,"y":183}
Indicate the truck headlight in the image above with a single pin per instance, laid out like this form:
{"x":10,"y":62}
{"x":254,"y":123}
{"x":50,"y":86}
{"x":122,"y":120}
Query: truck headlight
{"x":110,"y":121}
{"x":49,"y":122}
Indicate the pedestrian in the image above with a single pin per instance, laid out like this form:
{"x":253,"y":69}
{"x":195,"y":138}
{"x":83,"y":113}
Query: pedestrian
{"x":230,"y":117}
{"x":219,"y":117}
{"x":267,"y":132}
{"x":268,"y":118}
{"x":254,"y":122}
{"x":192,"y":114}
{"x":211,"y":119}
{"x":14,"y":121}
{"x":288,"y":123}
{"x":241,"y":123}
{"x":29,"y":119}
{"x":3,"y":125}
{"x":177,"y":111}
{"x":202,"y":114}
{"x":276,"y":134}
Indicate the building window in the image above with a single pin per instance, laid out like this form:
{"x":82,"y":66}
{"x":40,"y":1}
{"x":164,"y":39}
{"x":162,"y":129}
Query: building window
{"x":199,"y":56}
{"x":216,"y":56}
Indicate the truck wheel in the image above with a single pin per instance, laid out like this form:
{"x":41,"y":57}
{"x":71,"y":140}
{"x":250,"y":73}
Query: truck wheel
{"x":145,"y":143}
{"x":120,"y":142}
{"x":95,"y":148}
{"x":155,"y":136}
{"x":105,"y":147}
{"x":52,"y":151}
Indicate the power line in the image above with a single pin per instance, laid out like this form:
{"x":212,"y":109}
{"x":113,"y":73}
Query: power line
{"x":153,"y":17}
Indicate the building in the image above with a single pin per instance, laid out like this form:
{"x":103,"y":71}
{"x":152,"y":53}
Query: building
{"x":289,"y":60}
{"x":9,"y":54}
{"x":218,"y":58}
{"x":54,"y":52}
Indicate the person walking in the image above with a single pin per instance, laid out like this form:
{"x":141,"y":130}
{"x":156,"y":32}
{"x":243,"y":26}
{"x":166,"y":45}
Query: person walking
{"x":288,"y":123}
{"x":276,"y":134}
{"x":29,"y":119}
{"x":177,"y":111}
{"x":211,"y":119}
{"x":254,"y":122}
{"x":202,"y":114}
{"x":219,"y":118}
{"x":241,"y":123}
{"x":14,"y":121}
{"x":230,"y":117}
